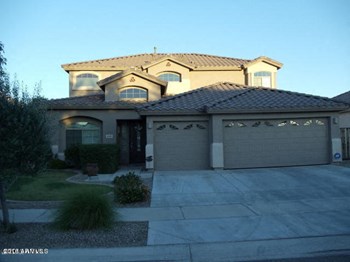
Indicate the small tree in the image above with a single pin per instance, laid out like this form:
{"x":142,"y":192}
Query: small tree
{"x":24,"y":143}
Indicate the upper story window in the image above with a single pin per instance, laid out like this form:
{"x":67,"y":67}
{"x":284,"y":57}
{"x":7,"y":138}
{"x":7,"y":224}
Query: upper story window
{"x":133,"y":93}
{"x":87,"y":80}
{"x":170,"y":77}
{"x":262,"y":78}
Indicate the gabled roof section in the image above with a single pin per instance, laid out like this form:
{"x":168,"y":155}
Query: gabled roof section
{"x":193,"y":60}
{"x":344,"y":97}
{"x":168,"y":58}
{"x":264,"y":59}
{"x":233,"y":98}
{"x":124,"y":73}
{"x":90,"y":102}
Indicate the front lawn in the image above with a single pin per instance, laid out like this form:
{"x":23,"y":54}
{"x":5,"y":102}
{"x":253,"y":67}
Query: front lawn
{"x":50,"y":185}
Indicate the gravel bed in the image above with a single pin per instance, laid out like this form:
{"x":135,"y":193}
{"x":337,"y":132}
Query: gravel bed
{"x":43,"y":235}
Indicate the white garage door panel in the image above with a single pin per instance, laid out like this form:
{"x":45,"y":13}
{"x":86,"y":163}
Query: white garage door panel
{"x":181,"y":145}
{"x":263,"y":143}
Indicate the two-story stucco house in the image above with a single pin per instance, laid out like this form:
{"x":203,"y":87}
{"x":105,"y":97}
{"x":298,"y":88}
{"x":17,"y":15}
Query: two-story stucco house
{"x":194,"y":111}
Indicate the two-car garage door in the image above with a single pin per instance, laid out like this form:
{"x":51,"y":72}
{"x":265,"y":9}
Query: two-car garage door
{"x":267,"y":143}
{"x":247,"y":143}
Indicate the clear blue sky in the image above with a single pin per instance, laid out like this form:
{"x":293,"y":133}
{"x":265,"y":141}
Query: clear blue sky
{"x":311,"y":38}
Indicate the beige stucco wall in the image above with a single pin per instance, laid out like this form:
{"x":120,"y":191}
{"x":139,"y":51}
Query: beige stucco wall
{"x":81,"y":91}
{"x":112,"y":89}
{"x":204,"y":78}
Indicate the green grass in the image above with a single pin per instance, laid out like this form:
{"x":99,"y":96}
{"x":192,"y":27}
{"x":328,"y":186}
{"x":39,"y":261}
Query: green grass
{"x":50,"y":185}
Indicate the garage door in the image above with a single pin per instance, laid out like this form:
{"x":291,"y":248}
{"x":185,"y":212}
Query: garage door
{"x":181,"y":145}
{"x":268,"y":143}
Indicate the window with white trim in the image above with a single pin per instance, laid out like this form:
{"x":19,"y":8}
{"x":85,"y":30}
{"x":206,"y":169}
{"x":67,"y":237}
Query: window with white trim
{"x":133,"y":93}
{"x":86,"y":81}
{"x":262,"y":78}
{"x":170,"y":77}
{"x":82,"y":132}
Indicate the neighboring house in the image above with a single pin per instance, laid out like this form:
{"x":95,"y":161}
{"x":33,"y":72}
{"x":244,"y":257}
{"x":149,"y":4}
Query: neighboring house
{"x":344,"y":124}
{"x":194,"y":111}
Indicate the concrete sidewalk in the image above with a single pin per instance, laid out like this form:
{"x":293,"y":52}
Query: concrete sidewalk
{"x":123,"y":214}
{"x":141,"y":214}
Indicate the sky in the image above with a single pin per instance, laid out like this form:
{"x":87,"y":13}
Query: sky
{"x":310,"y":37}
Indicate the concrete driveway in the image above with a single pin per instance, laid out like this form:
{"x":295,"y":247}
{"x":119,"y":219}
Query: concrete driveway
{"x":253,"y":205}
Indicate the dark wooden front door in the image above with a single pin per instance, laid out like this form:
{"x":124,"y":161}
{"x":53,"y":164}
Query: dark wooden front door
{"x":137,"y":141}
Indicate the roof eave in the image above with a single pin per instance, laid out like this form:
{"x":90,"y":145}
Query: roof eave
{"x":265,"y":59}
{"x":89,"y":107}
{"x":272,"y":110}
{"x":69,"y":68}
{"x":170,"y":113}
{"x":217,"y":68}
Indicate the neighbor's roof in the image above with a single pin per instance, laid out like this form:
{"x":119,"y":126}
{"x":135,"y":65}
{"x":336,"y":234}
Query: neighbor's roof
{"x":233,"y":98}
{"x":96,"y":101}
{"x":344,"y":97}
{"x":192,"y":60}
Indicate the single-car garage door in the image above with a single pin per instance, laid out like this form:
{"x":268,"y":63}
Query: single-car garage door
{"x":268,"y":143}
{"x":181,"y":145}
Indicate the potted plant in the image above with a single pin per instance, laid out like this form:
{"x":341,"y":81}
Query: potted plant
{"x":92,"y":169}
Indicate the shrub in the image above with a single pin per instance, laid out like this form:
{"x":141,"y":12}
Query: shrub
{"x":85,"y":210}
{"x":129,"y":188}
{"x":72,"y":156}
{"x":57,"y":164}
{"x":105,"y":155}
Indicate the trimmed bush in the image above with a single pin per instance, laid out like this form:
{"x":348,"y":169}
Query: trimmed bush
{"x":85,"y":210}
{"x":129,"y":189}
{"x":105,"y":155}
{"x":57,"y":164}
{"x":72,"y":156}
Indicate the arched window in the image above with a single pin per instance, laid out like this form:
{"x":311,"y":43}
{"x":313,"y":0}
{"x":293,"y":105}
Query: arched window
{"x":82,"y":132}
{"x":133,"y":93}
{"x":86,"y":80}
{"x":262,"y":78}
{"x":170,"y":77}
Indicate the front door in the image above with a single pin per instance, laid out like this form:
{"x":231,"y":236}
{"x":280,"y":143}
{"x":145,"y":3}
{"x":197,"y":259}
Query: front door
{"x":137,"y":141}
